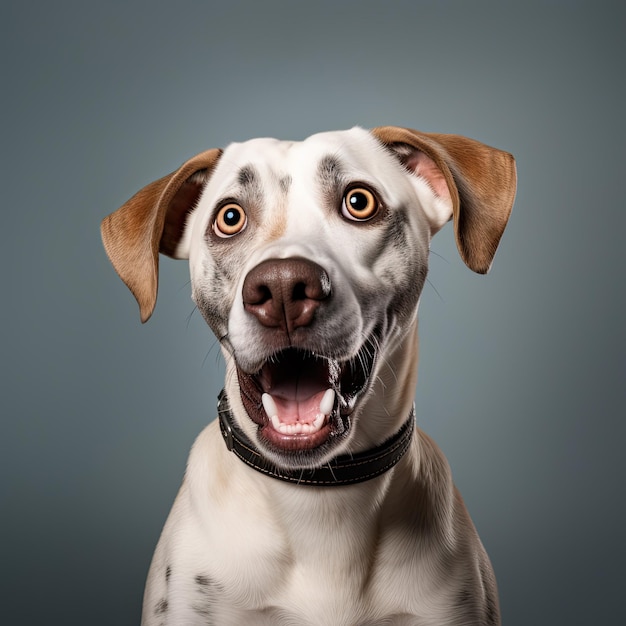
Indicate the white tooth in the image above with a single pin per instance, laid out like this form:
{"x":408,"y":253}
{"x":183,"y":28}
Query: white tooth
{"x":319,"y":420}
{"x":326,"y":406}
{"x":327,"y":403}
{"x":269,"y":405}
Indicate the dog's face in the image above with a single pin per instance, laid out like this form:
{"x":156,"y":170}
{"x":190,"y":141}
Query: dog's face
{"x":307,"y":260}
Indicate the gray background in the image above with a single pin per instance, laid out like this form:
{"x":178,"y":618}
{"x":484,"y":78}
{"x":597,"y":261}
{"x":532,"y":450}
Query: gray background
{"x":522,"y":372}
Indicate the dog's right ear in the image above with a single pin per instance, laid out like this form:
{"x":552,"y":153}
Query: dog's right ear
{"x":153,"y":221}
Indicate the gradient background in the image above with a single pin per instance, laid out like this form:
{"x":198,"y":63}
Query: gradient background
{"x":522,"y":372}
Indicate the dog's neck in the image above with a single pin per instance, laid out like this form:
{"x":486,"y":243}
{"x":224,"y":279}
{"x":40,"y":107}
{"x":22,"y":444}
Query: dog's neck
{"x":392,"y":396}
{"x":343,"y":470}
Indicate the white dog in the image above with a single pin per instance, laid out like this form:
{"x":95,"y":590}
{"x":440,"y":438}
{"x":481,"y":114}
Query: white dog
{"x":314,"y":500}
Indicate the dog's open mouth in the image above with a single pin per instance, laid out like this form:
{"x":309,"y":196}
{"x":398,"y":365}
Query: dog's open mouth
{"x":303,"y":401}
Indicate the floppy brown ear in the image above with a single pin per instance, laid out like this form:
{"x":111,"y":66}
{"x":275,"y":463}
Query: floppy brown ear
{"x":481,"y":181}
{"x":153,"y":221}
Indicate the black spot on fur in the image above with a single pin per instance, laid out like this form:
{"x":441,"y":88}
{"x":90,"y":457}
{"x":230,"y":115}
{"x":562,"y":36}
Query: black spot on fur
{"x":284,"y":183}
{"x":395,"y":233}
{"x":329,"y":167}
{"x":168,"y":573}
{"x":464,"y":598}
{"x":161,"y":607}
{"x":212,"y":302}
{"x":247,"y":176}
{"x":491,"y":613}
{"x":330,"y":176}
{"x":203,"y":581}
{"x":206,"y":593}
{"x":205,"y":611}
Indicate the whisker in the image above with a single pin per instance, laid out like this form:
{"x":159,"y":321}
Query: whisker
{"x":184,"y":286}
{"x":227,"y":345}
{"x":211,"y":348}
{"x":435,"y":289}
{"x":206,"y":356}
{"x":443,"y":258}
{"x":331,"y":472}
{"x":195,"y":308}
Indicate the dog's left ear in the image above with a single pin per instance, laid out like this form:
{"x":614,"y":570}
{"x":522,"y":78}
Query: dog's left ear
{"x":479,"y":180}
{"x":153,"y":221}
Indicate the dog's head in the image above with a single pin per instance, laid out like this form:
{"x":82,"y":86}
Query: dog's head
{"x":307,"y":260}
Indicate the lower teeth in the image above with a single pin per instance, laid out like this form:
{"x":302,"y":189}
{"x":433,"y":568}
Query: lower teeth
{"x":299,"y":428}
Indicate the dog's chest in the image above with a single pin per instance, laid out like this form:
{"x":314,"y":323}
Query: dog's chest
{"x":315,"y":596}
{"x":307,"y":564}
{"x":334,"y":591}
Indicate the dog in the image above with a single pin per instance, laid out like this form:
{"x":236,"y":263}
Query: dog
{"x":314,"y":499}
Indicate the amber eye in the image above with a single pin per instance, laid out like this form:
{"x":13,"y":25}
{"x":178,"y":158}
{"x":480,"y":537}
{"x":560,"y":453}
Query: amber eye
{"x":359,"y":204}
{"x":230,"y":220}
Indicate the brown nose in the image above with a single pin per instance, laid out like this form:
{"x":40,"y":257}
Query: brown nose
{"x":285,"y":293}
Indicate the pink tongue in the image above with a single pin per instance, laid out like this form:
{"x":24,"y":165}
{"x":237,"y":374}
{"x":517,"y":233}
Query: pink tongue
{"x":291,"y":410}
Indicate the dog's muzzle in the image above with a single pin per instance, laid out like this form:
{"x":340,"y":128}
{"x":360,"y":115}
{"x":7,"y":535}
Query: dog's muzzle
{"x":301,"y":398}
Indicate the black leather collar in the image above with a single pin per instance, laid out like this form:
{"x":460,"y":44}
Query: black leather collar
{"x":347,"y":469}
